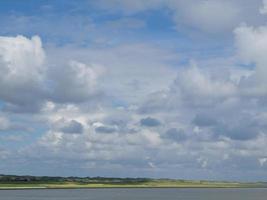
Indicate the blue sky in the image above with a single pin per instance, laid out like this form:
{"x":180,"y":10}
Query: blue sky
{"x":156,"y":88}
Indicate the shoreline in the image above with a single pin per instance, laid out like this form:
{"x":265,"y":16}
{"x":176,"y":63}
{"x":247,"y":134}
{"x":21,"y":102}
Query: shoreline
{"x":133,"y":187}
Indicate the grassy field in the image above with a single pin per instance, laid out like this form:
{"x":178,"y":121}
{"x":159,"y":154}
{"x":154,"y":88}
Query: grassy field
{"x":147,"y":184}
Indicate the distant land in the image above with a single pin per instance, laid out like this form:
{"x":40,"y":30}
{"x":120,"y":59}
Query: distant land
{"x":46,"y":182}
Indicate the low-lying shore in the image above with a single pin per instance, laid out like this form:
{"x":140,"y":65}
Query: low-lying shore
{"x":150,"y":184}
{"x":12,"y":182}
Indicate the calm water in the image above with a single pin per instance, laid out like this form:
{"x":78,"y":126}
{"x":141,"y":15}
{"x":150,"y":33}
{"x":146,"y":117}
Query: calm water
{"x":136,"y":194}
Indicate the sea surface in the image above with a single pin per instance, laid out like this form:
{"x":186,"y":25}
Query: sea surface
{"x":135,"y":194}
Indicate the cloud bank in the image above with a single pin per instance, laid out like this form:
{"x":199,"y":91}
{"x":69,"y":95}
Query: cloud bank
{"x":151,"y":105}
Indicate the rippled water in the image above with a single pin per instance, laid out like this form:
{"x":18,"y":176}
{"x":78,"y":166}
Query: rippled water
{"x":136,"y":194}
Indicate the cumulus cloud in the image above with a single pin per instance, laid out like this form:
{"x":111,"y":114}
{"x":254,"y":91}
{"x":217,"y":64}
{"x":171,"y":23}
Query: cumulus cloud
{"x":251,"y":43}
{"x":200,"y":87}
{"x":73,"y":82}
{"x":27,"y":80}
{"x":22,"y":71}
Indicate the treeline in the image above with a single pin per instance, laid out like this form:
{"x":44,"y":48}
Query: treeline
{"x":14,"y":178}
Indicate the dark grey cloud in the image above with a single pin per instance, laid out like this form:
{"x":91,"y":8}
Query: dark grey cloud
{"x":105,"y":129}
{"x":175,"y":134}
{"x":72,"y":127}
{"x":27,"y":107}
{"x":150,"y":122}
{"x":232,"y":124}
{"x":241,"y":131}
{"x":203,"y":120}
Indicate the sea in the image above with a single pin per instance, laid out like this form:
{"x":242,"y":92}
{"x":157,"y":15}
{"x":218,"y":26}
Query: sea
{"x":135,"y":194}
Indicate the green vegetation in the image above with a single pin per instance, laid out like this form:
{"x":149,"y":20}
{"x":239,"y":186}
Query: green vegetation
{"x":33,"y":182}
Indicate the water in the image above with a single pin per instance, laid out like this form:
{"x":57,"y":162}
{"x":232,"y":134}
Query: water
{"x":136,"y":194}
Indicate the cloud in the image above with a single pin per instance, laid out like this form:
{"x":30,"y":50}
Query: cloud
{"x":201,"y":88}
{"x":105,"y":129}
{"x":73,"y":82}
{"x":21,"y":71}
{"x":119,"y":106}
{"x":251,"y":44}
{"x":229,"y":125}
{"x":4,"y":123}
{"x":174,"y":134}
{"x":28,"y":80}
{"x":239,"y":132}
{"x":141,"y":67}
{"x":71,"y":127}
{"x":262,"y":161}
{"x":150,"y":122}
{"x":208,"y":16}
{"x":263,"y":9}
{"x":12,"y":126}
{"x":192,"y":87}
{"x":203,"y":120}
{"x":215,"y":102}
{"x":204,"y":15}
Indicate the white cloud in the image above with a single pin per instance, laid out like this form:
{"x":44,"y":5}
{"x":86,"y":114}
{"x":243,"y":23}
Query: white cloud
{"x":73,"y":82}
{"x":21,"y":69}
{"x":208,"y":16}
{"x":4,"y":123}
{"x":263,"y":9}
{"x":262,"y":161}
{"x":194,"y":85}
{"x":28,"y":80}
{"x":251,"y":43}
{"x":22,"y":56}
{"x":141,"y":67}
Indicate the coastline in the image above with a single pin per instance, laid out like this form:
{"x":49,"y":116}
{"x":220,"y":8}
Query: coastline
{"x":132,"y":187}
{"x":13,"y":182}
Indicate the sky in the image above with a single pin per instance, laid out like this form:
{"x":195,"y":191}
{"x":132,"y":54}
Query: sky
{"x":123,"y":88}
